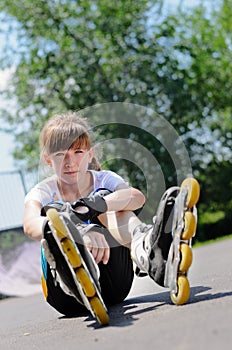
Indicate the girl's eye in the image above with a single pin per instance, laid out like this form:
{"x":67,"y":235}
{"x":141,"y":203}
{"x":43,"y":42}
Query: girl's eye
{"x":78,"y":151}
{"x":59,"y":154}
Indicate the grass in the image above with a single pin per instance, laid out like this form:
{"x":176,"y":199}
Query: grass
{"x":211,"y":241}
{"x":211,"y":217}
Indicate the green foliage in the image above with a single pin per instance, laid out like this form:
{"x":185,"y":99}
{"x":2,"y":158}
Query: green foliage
{"x":216,"y":200}
{"x":10,"y":240}
{"x":212,"y":217}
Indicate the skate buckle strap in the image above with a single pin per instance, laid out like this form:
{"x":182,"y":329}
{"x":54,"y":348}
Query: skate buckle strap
{"x":142,"y":229}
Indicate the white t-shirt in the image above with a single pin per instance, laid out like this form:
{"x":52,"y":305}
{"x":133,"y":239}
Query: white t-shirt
{"x":47,"y":190}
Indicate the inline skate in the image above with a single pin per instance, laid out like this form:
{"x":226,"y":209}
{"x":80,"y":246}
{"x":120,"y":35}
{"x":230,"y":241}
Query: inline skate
{"x":74,"y":263}
{"x":163,"y":250}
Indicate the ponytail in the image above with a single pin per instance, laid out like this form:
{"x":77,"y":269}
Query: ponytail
{"x":95,"y":165}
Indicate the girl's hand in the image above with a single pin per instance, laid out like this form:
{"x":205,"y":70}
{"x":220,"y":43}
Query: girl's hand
{"x":98,"y":246}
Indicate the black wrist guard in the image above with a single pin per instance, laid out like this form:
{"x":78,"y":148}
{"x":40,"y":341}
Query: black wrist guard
{"x":96,"y":205}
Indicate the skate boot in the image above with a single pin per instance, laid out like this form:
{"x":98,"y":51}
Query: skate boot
{"x":75,"y":266}
{"x":163,"y":250}
{"x":150,"y":244}
{"x":183,"y":230}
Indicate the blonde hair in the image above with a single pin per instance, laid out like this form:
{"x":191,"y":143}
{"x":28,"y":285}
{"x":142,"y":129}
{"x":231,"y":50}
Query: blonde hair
{"x":63,"y":130}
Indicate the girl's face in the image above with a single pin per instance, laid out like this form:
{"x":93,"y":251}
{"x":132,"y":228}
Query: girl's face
{"x":69,"y":165}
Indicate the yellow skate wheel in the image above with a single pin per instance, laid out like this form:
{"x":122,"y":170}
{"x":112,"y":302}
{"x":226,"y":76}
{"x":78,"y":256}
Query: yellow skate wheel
{"x":67,"y":245}
{"x":183,"y":291}
{"x":57,"y":223}
{"x":71,"y":253}
{"x":193,"y":191}
{"x":186,"y":257}
{"x":99,"y":311}
{"x":190,"y":225}
{"x":86,"y":283}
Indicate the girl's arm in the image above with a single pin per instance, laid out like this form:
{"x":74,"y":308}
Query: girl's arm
{"x":33,"y":225}
{"x":125,"y":198}
{"x":33,"y":222}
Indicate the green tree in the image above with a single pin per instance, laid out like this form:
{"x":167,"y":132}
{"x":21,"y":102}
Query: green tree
{"x":76,"y":55}
{"x":207,"y":37}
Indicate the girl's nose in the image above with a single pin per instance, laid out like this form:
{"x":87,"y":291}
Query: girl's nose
{"x":68,"y":159}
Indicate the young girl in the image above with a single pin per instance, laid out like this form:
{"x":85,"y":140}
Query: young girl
{"x":67,"y":148}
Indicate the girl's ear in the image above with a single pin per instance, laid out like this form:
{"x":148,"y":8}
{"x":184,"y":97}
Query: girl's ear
{"x":47,"y":159}
{"x":91,"y":154}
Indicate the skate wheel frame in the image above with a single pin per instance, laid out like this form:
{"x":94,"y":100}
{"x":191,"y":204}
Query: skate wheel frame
{"x":184,"y":228}
{"x":91,"y":296}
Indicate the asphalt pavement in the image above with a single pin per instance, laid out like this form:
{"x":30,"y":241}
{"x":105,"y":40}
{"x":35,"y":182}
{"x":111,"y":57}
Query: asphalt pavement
{"x":146,"y":320}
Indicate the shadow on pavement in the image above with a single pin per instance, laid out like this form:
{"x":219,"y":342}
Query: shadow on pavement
{"x":124,"y":315}
{"x":197,"y":297}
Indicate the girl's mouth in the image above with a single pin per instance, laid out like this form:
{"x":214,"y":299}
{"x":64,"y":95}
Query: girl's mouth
{"x":71,"y":172}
